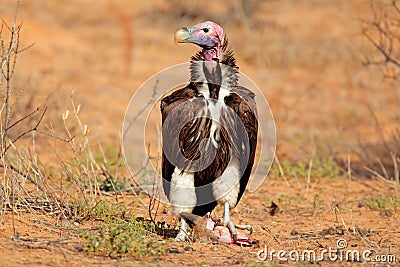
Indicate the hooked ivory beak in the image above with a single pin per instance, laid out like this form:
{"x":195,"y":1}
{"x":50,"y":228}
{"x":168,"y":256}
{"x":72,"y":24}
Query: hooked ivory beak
{"x":181,"y":36}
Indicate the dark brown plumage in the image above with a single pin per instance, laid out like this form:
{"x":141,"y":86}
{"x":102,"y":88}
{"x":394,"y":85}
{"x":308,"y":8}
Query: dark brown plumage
{"x":235,"y":142}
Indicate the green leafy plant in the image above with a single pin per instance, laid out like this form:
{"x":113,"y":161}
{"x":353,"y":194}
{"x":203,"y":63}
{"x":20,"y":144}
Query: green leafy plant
{"x":321,"y":168}
{"x":384,"y":203}
{"x":111,"y":184}
{"x":121,"y":234}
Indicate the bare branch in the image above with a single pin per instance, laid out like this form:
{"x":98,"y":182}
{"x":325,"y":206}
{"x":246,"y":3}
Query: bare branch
{"x":23,"y":118}
{"x":383,"y":33}
{"x":34,"y":128}
{"x":26,"y":48}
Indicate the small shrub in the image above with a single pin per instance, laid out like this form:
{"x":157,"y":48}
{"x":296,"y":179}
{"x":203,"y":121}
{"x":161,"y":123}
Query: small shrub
{"x":111,"y":185}
{"x":107,"y":210}
{"x":384,"y":203}
{"x":321,"y":168}
{"x":121,"y":234}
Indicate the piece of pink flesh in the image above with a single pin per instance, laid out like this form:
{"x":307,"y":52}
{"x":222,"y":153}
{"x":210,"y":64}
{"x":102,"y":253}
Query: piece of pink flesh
{"x":225,"y":236}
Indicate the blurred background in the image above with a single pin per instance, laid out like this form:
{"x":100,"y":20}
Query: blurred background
{"x":308,"y":57}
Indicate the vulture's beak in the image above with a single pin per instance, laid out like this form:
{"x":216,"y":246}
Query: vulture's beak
{"x":182,"y":36}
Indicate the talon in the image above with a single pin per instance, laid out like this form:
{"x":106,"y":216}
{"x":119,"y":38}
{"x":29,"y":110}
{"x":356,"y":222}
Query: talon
{"x":233,"y":231}
{"x":228,"y":234}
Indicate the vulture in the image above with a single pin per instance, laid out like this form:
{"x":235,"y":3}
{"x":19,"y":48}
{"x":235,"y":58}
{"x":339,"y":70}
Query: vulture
{"x":209,"y":132}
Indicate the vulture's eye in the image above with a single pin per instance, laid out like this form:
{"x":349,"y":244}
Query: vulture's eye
{"x":206,"y":30}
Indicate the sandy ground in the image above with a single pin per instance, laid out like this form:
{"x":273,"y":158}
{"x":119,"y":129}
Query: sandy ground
{"x":304,"y":55}
{"x":302,"y":223}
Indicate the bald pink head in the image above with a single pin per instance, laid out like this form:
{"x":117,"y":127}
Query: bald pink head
{"x":208,"y":35}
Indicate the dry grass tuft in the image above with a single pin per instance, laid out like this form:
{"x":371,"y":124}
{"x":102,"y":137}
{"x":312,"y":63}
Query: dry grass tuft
{"x":82,"y":172}
{"x":382,"y":33}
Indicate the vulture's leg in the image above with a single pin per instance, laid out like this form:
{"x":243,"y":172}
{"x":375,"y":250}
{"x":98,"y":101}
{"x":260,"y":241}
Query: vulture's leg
{"x":228,"y":223}
{"x":182,"y":197}
{"x":231,"y":226}
{"x":182,"y":234}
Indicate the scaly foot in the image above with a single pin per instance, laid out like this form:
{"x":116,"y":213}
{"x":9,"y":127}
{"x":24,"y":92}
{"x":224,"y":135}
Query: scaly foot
{"x":182,"y":234}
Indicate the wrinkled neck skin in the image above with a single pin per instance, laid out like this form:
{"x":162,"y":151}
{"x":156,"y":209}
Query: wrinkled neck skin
{"x":214,"y":65}
{"x":211,"y":54}
{"x":211,"y":57}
